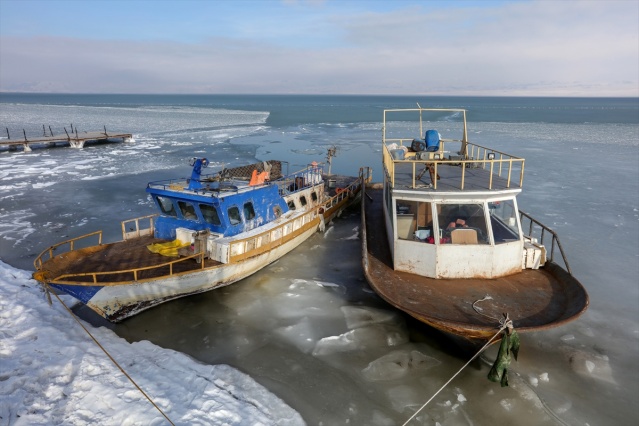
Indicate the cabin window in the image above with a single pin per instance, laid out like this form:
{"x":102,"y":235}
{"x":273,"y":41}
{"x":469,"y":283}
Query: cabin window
{"x":303,"y":200}
{"x":291,"y":205}
{"x":249,"y":212}
{"x":187,"y":210}
{"x":210,"y":214}
{"x":503,"y":219}
{"x":415,"y":221}
{"x":314,"y":196}
{"x":277,"y":210}
{"x":468,"y":218}
{"x":234,"y":215}
{"x":166,"y":205}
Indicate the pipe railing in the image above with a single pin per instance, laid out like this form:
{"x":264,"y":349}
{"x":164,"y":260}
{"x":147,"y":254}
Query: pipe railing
{"x":540,"y":231}
{"x":478,"y":158}
{"x":37,"y":263}
{"x":244,"y":248}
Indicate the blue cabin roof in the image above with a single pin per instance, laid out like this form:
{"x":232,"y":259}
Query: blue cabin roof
{"x":224,"y":206}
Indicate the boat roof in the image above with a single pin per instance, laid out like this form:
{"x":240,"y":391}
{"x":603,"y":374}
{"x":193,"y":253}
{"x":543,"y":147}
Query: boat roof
{"x":219,"y":185}
{"x":449,"y":163}
{"x":217,"y":189}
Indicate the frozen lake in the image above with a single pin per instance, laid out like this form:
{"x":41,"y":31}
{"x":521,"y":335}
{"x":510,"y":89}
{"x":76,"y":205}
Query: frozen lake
{"x":308,"y":327}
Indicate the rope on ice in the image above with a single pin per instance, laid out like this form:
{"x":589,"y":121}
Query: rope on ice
{"x":107,"y":353}
{"x":501,"y":329}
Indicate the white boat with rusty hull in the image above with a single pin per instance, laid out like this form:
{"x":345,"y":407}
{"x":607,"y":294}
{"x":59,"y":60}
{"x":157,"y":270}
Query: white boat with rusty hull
{"x":444,"y":239}
{"x":211,"y":231}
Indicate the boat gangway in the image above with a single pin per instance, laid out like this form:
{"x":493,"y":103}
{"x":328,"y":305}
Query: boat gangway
{"x":74,"y":140}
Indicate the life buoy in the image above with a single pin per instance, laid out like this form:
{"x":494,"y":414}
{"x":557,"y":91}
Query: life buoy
{"x":340,"y":190}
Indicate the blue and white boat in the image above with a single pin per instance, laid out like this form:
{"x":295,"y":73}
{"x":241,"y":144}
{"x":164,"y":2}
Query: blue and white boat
{"x":211,"y":231}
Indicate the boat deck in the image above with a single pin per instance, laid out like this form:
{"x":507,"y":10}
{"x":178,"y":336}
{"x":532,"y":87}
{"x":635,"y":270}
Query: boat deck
{"x":123,"y":256}
{"x":130,"y":260}
{"x":411,"y":175}
{"x":533,"y":299}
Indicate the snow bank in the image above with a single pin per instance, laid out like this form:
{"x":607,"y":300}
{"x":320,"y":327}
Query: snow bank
{"x":52,"y":373}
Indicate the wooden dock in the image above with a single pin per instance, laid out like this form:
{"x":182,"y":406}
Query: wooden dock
{"x":74,"y":140}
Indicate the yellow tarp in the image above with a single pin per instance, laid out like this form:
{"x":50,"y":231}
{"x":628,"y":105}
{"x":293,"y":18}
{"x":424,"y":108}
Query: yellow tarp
{"x":169,"y":248}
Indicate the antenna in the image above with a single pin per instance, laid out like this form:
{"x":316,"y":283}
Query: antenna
{"x":332,"y":152}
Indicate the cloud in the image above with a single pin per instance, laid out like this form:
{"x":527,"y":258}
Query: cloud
{"x":522,"y":48}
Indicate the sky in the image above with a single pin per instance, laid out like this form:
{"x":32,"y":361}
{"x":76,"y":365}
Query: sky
{"x":400,"y":47}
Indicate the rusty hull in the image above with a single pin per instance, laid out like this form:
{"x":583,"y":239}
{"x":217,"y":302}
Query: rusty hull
{"x":534,"y":299}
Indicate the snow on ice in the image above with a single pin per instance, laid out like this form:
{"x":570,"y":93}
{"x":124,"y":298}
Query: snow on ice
{"x":52,"y":373}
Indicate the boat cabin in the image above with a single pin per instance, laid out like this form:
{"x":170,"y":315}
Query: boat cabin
{"x":450,"y":206}
{"x":233,"y":201}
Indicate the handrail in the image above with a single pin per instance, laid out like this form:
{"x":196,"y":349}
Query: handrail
{"x":535,"y":227}
{"x":307,"y":220}
{"x":137,"y":232}
{"x":37,"y":263}
{"x":479,"y":156}
{"x":304,"y":220}
{"x":134,"y":271}
{"x":257,"y":241}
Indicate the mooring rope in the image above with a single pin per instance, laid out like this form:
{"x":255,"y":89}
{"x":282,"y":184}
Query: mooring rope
{"x":108,"y":354}
{"x":478,"y":310}
{"x":504,"y":323}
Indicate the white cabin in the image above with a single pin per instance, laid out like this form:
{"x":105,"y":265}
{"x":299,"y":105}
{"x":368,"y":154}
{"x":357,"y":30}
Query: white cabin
{"x":450,"y":206}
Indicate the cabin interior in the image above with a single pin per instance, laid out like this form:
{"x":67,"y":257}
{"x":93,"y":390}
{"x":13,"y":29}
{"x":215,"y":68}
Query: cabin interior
{"x":457,"y":223}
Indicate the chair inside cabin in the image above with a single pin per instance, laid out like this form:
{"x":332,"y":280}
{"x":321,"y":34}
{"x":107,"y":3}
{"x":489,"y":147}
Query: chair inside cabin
{"x":463,"y":236}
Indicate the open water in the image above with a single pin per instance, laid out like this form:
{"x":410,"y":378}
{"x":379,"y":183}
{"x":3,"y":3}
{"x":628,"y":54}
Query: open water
{"x":308,"y":327}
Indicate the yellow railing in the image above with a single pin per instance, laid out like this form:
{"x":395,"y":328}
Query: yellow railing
{"x":268,"y":240}
{"x":136,"y":231}
{"x":502,"y":164}
{"x":71,"y":243}
{"x":135,"y":272}
{"x":342,"y":195}
{"x":244,"y":248}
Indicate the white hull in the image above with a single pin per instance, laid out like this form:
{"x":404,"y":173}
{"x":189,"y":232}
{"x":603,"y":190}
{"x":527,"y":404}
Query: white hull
{"x":118,"y":302}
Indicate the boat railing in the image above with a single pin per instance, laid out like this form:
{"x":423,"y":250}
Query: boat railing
{"x":498,"y":163}
{"x":132,"y":228}
{"x":541,"y":233}
{"x":299,"y":180}
{"x":347,"y":191}
{"x":134,"y":273}
{"x":238,"y":250}
{"x":272,"y":238}
{"x":135,"y":230}
{"x":70,"y":244}
{"x":265,"y":241}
